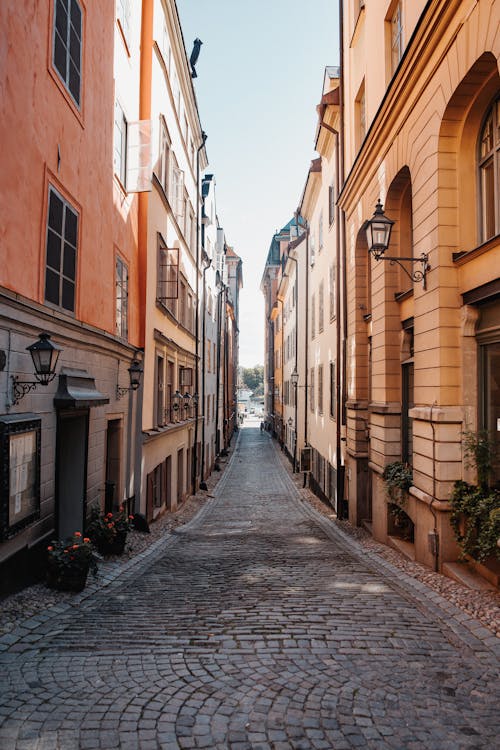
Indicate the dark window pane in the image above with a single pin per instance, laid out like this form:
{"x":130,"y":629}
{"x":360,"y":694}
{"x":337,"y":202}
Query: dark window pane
{"x":76,"y":17}
{"x":74,"y":82}
{"x":61,"y":20}
{"x":69,"y":261}
{"x":60,"y":56}
{"x":53,"y":250}
{"x":74,"y":48}
{"x":71,"y":226}
{"x":52,"y":287}
{"x":488,"y":197}
{"x":55,"y":212}
{"x":68,"y":295}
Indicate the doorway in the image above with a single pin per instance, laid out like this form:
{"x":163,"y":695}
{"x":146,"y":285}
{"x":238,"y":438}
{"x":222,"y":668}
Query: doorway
{"x":71,"y":471}
{"x":112,"y":482}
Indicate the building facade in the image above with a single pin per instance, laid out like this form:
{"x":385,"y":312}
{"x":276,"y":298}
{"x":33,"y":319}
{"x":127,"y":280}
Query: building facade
{"x":69,"y":269}
{"x":421,"y":90}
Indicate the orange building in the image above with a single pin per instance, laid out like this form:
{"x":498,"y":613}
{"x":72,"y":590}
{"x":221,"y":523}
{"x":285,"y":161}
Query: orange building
{"x":421,"y":93}
{"x":69,"y":268}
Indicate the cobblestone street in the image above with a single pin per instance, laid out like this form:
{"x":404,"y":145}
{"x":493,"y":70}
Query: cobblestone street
{"x":256,"y":625}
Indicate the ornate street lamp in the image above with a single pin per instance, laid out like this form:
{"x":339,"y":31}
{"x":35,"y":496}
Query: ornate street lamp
{"x":45,"y":355}
{"x":135,"y":372}
{"x":378,"y":236}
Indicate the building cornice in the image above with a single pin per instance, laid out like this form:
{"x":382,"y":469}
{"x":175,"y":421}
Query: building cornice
{"x":434,"y":33}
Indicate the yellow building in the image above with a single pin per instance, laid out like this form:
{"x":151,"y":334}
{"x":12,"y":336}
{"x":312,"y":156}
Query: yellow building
{"x":421,"y":115}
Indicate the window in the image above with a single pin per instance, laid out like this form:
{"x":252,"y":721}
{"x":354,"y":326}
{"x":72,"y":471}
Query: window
{"x":320,"y":231}
{"x":407,"y":397}
{"x":121,"y":282}
{"x":168,"y":276}
{"x":313,"y":316}
{"x":321,"y":299}
{"x":396,"y":36}
{"x":178,"y":197}
{"x":19,"y":473}
{"x":311,"y":390}
{"x":164,"y":158}
{"x":360,"y":115}
{"x":123,"y":16}
{"x":332,"y":389}
{"x":489,"y":164}
{"x":120,"y":144}
{"x":160,"y":406}
{"x":331,"y":284}
{"x":182,"y":304}
{"x":67,"y":45}
{"x":312,"y":249}
{"x":320,"y":389}
{"x":62,"y":242}
{"x":331,"y":204}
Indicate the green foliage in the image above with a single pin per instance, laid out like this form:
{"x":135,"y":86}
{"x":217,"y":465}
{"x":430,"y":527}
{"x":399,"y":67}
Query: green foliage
{"x":253,"y":377}
{"x":479,"y":452}
{"x":475,"y":519}
{"x":74,"y":555}
{"x":107,"y":528}
{"x":398,"y":478}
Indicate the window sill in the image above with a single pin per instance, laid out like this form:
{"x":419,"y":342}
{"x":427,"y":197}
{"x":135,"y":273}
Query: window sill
{"x":464,"y":256}
{"x":400,"y":296}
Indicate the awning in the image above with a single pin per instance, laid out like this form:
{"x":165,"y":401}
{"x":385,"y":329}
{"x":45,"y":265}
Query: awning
{"x":77,"y":390}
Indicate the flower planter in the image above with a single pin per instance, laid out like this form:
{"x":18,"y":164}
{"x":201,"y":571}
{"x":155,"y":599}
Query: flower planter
{"x":67,"y":580}
{"x":115,"y":546}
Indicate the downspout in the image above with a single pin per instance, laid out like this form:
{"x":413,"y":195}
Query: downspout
{"x":281,"y":361}
{"x":197,"y":314}
{"x":225,"y":389}
{"x":296,"y":345}
{"x":146,"y":71}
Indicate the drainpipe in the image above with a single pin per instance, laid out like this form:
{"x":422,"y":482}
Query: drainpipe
{"x":281,"y":359}
{"x":197,"y":320}
{"x":296,"y":389}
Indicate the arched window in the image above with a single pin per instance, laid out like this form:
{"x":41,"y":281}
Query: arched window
{"x":489,"y":166}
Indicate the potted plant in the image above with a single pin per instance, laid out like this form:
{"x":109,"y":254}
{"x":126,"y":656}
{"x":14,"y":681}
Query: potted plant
{"x":475,"y":508}
{"x":69,"y":562}
{"x":108,"y":531}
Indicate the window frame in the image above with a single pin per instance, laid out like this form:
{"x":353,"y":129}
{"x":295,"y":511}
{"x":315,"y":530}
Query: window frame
{"x":491,"y":157}
{"x":122,"y":129}
{"x":121,"y":283}
{"x":14,"y":426}
{"x":62,"y":257}
{"x":65,"y":81}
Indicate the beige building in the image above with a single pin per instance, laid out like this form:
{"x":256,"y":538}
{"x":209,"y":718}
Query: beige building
{"x":421,"y":133}
{"x":324,"y":309}
{"x":168,"y":233}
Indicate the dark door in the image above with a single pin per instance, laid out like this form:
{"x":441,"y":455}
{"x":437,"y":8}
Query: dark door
{"x":71,"y":472}
{"x":113,"y":441}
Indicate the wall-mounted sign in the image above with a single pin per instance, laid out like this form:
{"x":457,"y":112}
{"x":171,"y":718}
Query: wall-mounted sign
{"x":19,"y":472}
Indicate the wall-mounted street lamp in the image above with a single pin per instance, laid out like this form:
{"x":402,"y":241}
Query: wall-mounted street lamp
{"x":176,"y":399}
{"x":44,"y":355}
{"x":135,"y":372}
{"x":186,"y":398}
{"x":378,"y":234}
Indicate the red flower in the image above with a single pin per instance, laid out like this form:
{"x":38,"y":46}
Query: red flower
{"x":86,"y":539}
{"x":74,"y":546}
{"x":49,"y":549}
{"x":77,"y":534}
{"x":131,"y":518}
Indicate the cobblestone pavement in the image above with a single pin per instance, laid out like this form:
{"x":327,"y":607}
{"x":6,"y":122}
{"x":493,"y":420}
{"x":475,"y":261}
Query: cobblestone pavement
{"x":256,"y":625}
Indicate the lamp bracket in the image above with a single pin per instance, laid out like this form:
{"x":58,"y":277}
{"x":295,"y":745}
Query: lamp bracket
{"x":21,"y":387}
{"x":417,"y":275}
{"x":120,"y":392}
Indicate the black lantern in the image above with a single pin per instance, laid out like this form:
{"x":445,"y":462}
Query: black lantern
{"x":187,"y":399}
{"x":45,"y":355}
{"x":378,"y":235}
{"x":378,"y":232}
{"x":135,"y":373}
{"x":176,"y":399}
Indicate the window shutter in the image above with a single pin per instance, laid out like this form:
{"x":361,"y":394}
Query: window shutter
{"x":139,"y":170}
{"x":178,"y":196}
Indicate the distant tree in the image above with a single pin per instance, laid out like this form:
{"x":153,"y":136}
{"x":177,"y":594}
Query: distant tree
{"x":253,"y":377}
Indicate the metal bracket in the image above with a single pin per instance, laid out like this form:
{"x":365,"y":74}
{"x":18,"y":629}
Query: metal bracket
{"x":20,"y":388}
{"x":418,"y":275}
{"x":120,"y":392}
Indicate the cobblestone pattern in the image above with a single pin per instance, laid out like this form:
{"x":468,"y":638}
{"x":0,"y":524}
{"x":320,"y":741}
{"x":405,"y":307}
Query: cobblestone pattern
{"x":258,"y":626}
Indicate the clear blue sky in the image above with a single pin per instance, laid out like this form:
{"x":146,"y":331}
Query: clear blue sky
{"x":260,"y":77}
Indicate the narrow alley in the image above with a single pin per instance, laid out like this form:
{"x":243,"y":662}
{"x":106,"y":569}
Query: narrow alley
{"x":256,"y":625}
